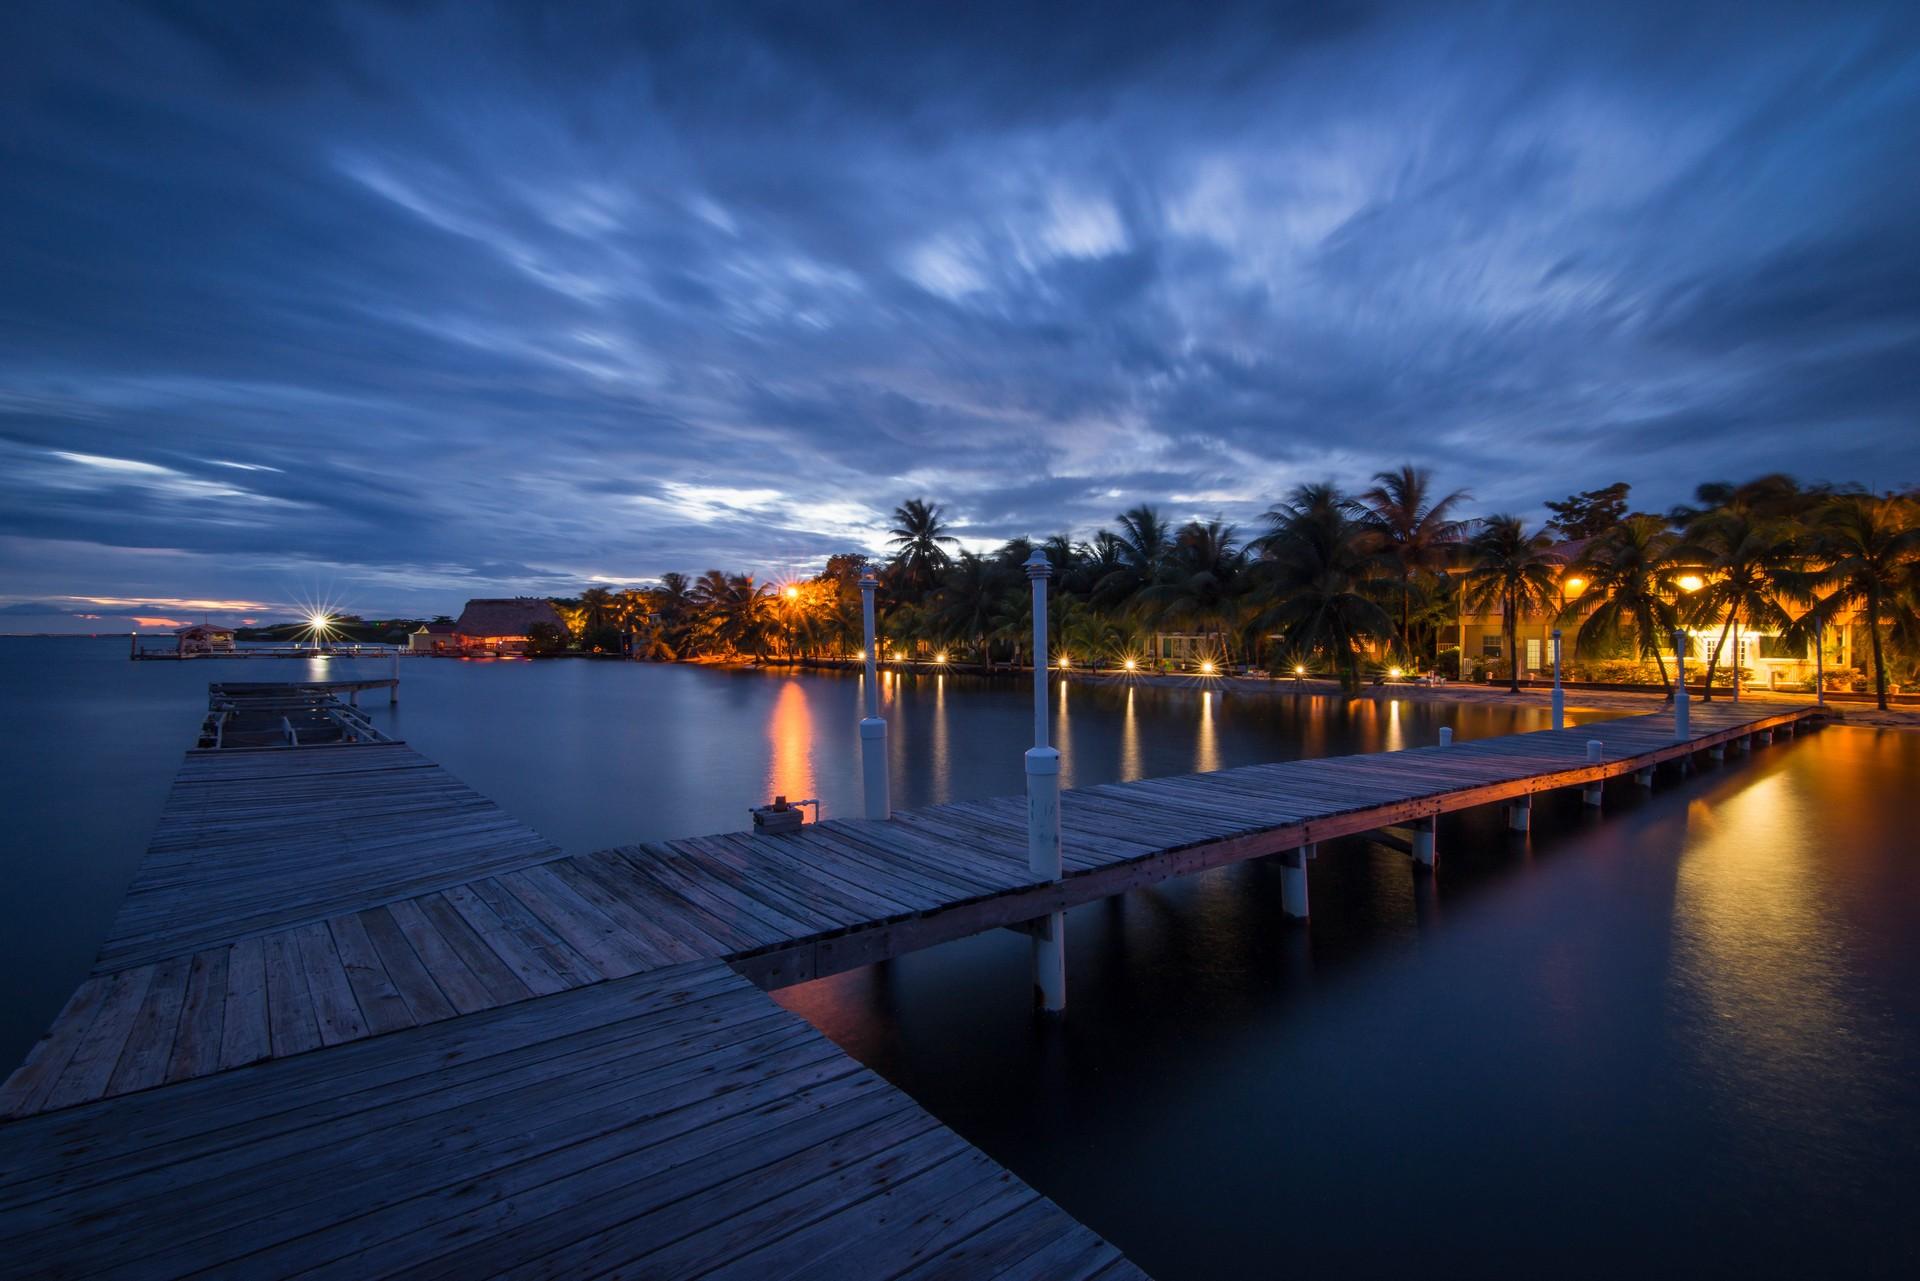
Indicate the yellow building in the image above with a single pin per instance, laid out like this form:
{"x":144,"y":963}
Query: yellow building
{"x":1768,"y":661}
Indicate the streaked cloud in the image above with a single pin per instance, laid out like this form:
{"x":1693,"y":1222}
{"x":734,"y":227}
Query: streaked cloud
{"x":398,"y":304}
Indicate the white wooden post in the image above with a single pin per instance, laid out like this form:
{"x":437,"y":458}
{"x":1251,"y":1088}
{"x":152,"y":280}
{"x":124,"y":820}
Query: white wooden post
{"x":1591,"y":793}
{"x":1820,"y":665}
{"x":1424,"y":851}
{"x":1043,"y":806}
{"x":1559,"y":696}
{"x":1293,"y":881}
{"x":873,"y":730}
{"x":1446,"y":736}
{"x":1682,"y":730}
{"x":1520,"y":814}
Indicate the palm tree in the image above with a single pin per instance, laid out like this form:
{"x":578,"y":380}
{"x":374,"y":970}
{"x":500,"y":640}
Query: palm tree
{"x":1512,"y":567}
{"x":971,"y":598}
{"x":1747,"y":564}
{"x":733,"y":611}
{"x":1631,"y":583}
{"x":1417,"y":531}
{"x":1316,"y":558}
{"x":596,"y":606}
{"x":1141,"y":546}
{"x":1868,"y":548}
{"x":919,"y":535}
{"x":1202,"y":583}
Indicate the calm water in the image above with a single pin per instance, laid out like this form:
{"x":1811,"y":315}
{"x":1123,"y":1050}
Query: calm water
{"x":1682,"y":1038}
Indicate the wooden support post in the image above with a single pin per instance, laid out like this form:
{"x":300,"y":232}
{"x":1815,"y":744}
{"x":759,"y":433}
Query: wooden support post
{"x":1424,"y":852}
{"x":1293,"y":881}
{"x":1592,"y":792}
{"x":1766,"y":738}
{"x":1050,"y":963}
{"x":393,"y":690}
{"x":1042,"y":765}
{"x":1520,"y":813}
{"x":1644,"y":777}
{"x":1446,"y":736}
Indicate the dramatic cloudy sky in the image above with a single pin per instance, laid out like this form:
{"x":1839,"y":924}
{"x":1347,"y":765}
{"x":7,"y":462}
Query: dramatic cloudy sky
{"x":400,"y":303}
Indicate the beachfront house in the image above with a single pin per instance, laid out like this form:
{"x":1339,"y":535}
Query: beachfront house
{"x":502,"y":625}
{"x":203,"y":638}
{"x":1184,"y":651}
{"x":433,"y":638}
{"x":1766,"y":660}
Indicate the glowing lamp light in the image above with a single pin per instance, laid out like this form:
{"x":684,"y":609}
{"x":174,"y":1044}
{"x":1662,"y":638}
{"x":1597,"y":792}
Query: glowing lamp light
{"x":1206,"y":669}
{"x":860,"y":656}
{"x":791,"y":593}
{"x":1395,"y":673}
{"x":1065,"y":661}
{"x":1299,"y":670}
{"x":896,"y":655}
{"x":1130,"y":665}
{"x":1691,"y":582}
{"x":941,"y":657}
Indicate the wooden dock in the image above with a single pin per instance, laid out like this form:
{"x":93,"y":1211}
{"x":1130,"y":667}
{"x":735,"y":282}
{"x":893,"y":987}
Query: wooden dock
{"x":319,"y":935}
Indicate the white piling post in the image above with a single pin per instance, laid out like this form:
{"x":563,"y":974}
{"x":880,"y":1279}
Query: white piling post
{"x":1820,"y":665}
{"x":1424,"y":851}
{"x":1043,"y":806}
{"x":873,"y":730}
{"x":1520,"y":814}
{"x":1682,"y":730}
{"x":1446,"y":736}
{"x":1591,"y":793}
{"x":1293,"y":881}
{"x":1559,"y":695}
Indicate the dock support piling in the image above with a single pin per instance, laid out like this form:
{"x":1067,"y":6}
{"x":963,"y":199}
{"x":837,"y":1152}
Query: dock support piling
{"x":1424,"y":852}
{"x":1682,"y":729}
{"x":1592,"y":792}
{"x":1043,"y":805}
{"x":393,"y":690}
{"x":1559,"y":695}
{"x":1050,"y":964}
{"x":1520,"y":814}
{"x":1717,"y":753}
{"x":873,"y":730}
{"x":1446,"y":736}
{"x":1293,"y":881}
{"x":1644,"y":777}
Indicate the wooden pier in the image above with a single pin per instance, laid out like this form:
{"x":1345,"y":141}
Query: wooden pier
{"x":352,"y":1017}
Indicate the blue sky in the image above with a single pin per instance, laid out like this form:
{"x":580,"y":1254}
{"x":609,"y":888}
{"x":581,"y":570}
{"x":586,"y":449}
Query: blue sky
{"x":397,"y":304}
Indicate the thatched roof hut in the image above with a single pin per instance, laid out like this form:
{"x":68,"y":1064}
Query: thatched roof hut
{"x":505,"y":621}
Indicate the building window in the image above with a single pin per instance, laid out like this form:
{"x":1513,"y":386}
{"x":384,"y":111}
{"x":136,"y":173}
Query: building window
{"x":1490,"y":645}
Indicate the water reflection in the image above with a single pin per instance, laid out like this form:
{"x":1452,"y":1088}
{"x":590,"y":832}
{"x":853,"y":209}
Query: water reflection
{"x":1396,"y":733}
{"x":1131,"y":766}
{"x":939,"y":743}
{"x":1759,"y":951}
{"x":1206,"y":742}
{"x":790,"y":732}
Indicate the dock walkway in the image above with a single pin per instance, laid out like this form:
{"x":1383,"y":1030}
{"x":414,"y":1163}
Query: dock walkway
{"x":271,"y":1062}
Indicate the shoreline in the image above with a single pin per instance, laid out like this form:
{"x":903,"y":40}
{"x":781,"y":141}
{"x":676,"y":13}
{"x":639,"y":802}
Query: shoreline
{"x":1629,"y":701}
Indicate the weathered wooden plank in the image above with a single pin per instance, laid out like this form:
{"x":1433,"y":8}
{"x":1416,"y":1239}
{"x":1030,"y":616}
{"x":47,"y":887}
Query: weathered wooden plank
{"x":98,"y":1051}
{"x":374,"y":992}
{"x":143,"y":1060}
{"x":245,"y":1035}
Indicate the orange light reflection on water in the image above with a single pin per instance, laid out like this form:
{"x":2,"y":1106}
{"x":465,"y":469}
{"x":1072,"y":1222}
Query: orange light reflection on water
{"x":790,"y":731}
